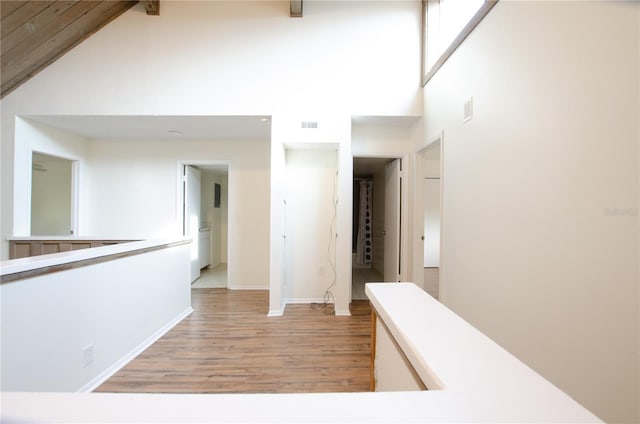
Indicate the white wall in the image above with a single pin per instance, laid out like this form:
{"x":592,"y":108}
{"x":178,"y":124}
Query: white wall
{"x":137,"y":194}
{"x":30,"y":137}
{"x":51,"y":199}
{"x":48,"y":320}
{"x":311,"y":218}
{"x":332,"y":133}
{"x":541,"y":192}
{"x":244,"y":57}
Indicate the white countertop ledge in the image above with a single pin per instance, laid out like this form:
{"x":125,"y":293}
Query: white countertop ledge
{"x":479,"y":382}
{"x":475,"y":373}
{"x":13,"y":266}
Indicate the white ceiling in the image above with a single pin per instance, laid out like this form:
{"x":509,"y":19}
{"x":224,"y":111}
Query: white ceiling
{"x":161,"y":127}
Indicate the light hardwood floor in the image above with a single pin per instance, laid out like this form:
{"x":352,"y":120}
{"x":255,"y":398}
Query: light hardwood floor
{"x":229,"y":345}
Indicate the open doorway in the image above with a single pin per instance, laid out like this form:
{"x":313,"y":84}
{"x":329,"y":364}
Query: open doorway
{"x":205,"y":202}
{"x":53,"y":197}
{"x":376,"y":222}
{"x":431,"y":190}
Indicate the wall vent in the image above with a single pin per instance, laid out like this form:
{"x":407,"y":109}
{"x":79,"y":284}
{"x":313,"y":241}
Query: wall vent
{"x":309,"y":124}
{"x":468,"y":109}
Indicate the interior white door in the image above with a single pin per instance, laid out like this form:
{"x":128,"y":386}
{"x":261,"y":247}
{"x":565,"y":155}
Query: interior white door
{"x":431,"y":190}
{"x":192,"y":178}
{"x":392,"y":194}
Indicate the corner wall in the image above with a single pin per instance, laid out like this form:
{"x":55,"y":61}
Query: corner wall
{"x":540,"y":247}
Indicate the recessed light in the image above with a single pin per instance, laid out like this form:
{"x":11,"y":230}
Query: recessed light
{"x":176,"y":132}
{"x":264,"y":119}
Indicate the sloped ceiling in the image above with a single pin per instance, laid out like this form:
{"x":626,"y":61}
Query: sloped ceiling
{"x":36,"y":33}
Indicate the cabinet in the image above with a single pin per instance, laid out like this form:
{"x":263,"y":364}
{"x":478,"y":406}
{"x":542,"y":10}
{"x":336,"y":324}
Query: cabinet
{"x":204,"y":248}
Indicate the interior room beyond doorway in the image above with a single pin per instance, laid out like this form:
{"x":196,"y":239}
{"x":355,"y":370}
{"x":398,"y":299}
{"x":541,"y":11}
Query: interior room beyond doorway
{"x":208,"y":203}
{"x":368,"y":238}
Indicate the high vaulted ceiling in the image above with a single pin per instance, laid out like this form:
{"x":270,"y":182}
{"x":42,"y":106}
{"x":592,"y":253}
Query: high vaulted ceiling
{"x":36,"y":33}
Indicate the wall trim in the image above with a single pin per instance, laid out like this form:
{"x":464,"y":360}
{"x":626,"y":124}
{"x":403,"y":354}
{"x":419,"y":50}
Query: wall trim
{"x":236,"y":287}
{"x":118,"y":365}
{"x":343,"y":312}
{"x":303,"y":300}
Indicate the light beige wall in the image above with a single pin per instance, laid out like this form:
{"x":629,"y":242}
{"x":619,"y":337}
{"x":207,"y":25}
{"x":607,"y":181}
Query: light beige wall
{"x":541,"y":191}
{"x":51,"y":199}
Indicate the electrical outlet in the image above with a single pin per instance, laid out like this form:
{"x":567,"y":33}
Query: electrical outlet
{"x":87,"y":355}
{"x":321,"y":271}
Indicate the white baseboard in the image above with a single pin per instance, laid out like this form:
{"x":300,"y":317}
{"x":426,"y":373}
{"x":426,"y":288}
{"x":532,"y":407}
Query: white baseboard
{"x":343,"y":312}
{"x":305,"y":300}
{"x":276,"y":312}
{"x":247,"y":287}
{"x":106,"y":374}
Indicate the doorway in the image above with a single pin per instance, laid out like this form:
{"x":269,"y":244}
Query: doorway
{"x":53,"y":197}
{"x":376,"y":222}
{"x":206,"y":203}
{"x":431,"y":193}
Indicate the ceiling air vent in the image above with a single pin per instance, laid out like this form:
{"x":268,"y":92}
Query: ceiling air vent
{"x":309,"y":124}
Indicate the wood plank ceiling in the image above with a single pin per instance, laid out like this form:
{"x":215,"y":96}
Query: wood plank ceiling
{"x":36,"y":33}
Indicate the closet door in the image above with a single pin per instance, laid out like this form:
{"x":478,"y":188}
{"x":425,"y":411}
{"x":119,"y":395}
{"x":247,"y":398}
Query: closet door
{"x":192,"y":216}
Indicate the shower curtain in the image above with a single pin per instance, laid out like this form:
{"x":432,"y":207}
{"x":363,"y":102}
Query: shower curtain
{"x":364,"y":245}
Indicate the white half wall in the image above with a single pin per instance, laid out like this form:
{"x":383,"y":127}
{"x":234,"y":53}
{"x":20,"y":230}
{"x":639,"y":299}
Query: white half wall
{"x":541,"y":244}
{"x":113,"y":308}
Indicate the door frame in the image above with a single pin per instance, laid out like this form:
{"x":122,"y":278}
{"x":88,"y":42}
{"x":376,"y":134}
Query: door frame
{"x":74,"y":212}
{"x":419,"y":206}
{"x":405,"y":257}
{"x":179,"y":206}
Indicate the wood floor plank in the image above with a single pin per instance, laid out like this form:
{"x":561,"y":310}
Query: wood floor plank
{"x":229,"y":345}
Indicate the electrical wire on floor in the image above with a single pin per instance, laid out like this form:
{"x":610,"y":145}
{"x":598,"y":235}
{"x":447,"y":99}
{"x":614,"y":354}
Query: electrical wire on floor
{"x":329,"y":300}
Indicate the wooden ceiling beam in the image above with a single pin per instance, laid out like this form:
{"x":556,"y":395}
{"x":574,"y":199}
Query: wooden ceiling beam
{"x":295,"y":9}
{"x":152,"y":7}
